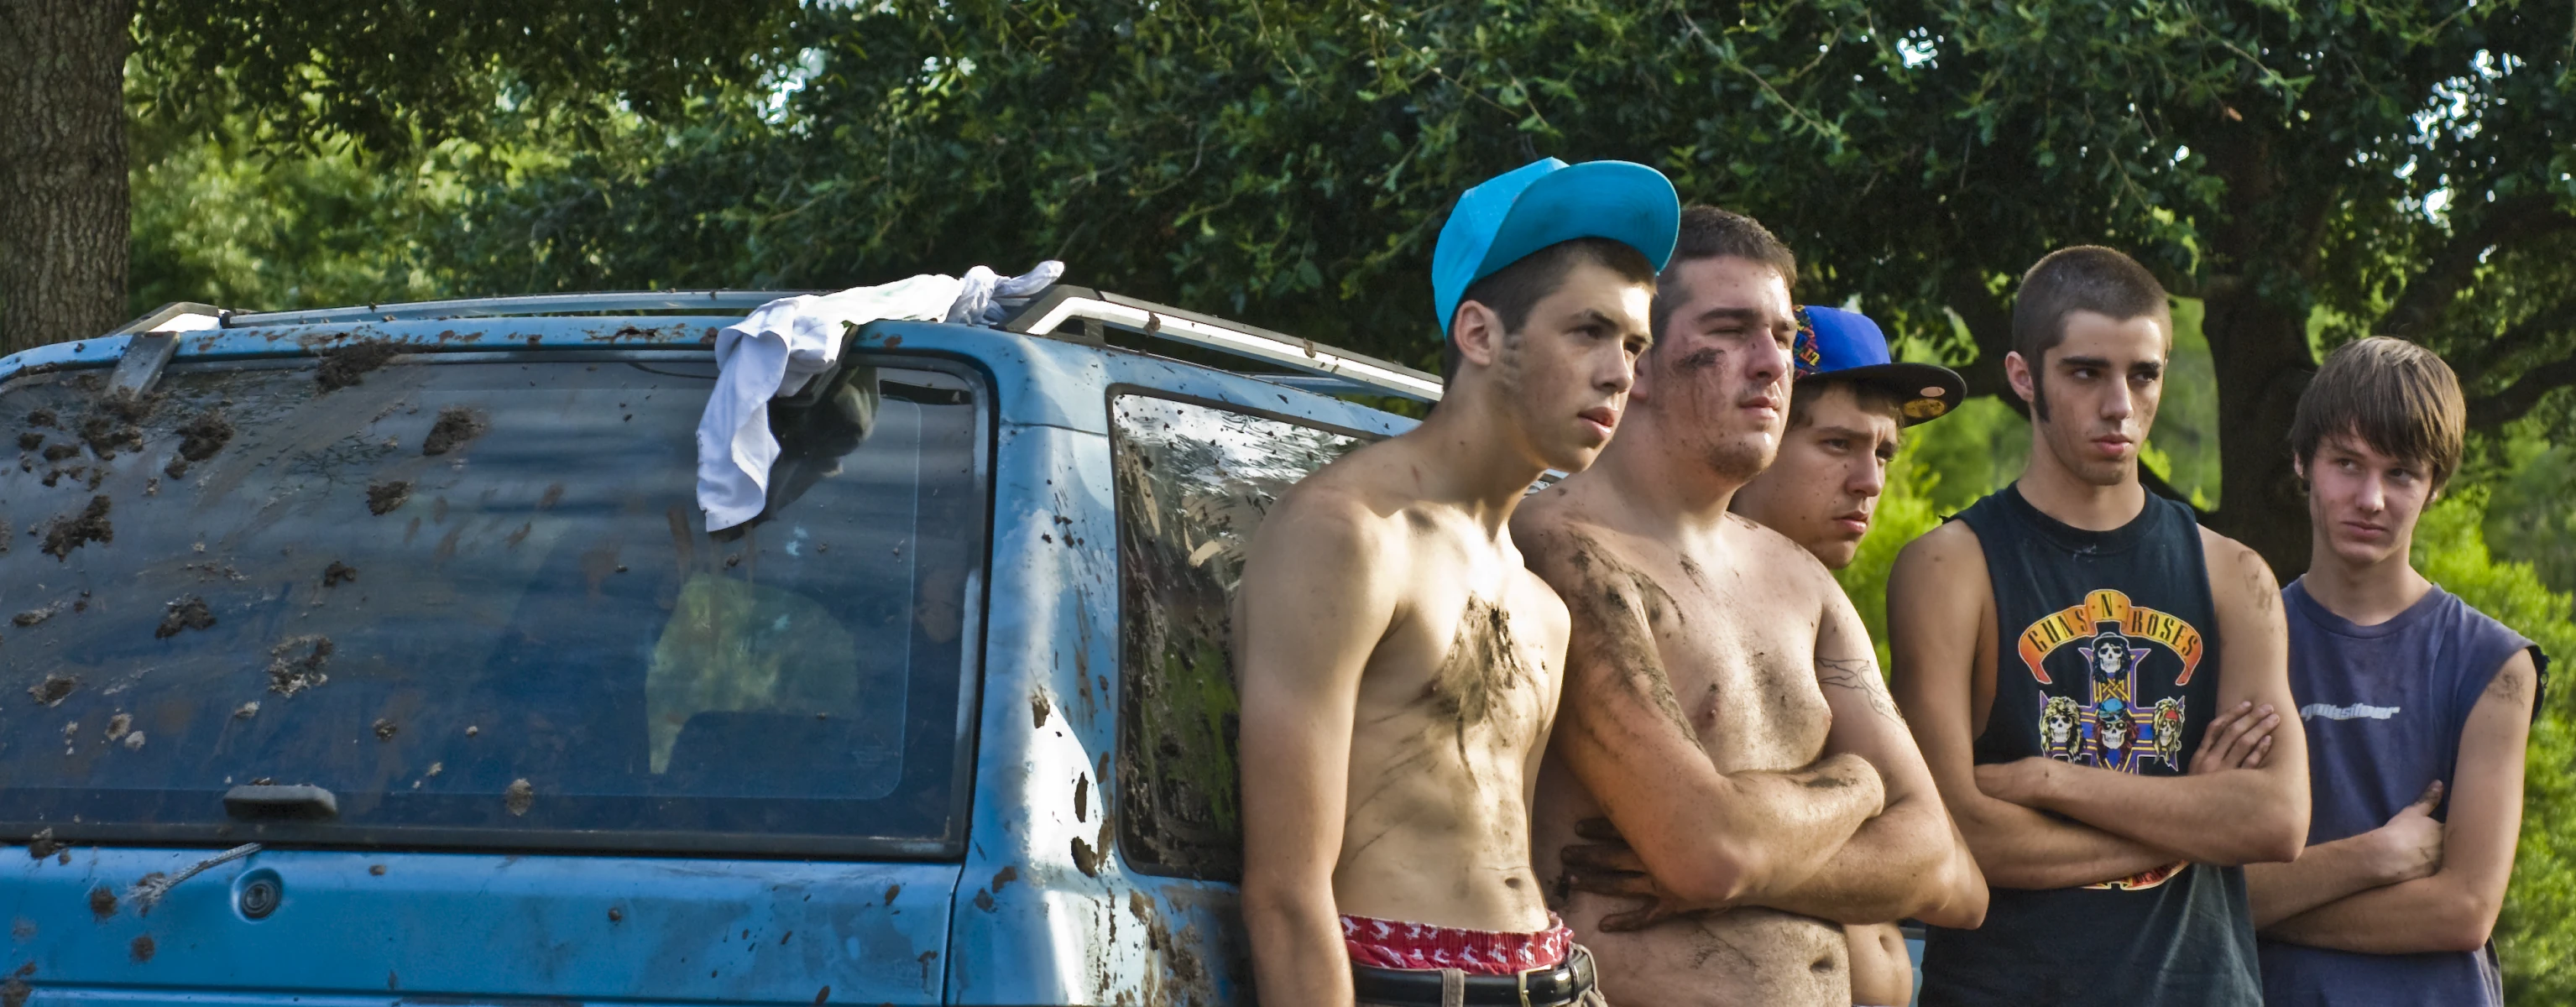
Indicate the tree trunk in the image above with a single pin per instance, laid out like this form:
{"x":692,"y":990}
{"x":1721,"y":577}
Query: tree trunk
{"x":64,"y":206}
{"x":2261,"y":354}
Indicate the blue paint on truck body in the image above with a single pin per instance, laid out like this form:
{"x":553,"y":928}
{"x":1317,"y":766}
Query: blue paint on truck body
{"x":1028,"y":900}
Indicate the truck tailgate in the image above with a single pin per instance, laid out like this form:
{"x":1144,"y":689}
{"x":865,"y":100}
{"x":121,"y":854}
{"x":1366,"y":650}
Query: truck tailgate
{"x":389,"y":928}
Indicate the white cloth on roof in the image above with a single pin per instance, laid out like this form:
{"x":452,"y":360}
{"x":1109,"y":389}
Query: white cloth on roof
{"x":780,"y":347}
{"x":772,"y":352}
{"x":988,"y":297}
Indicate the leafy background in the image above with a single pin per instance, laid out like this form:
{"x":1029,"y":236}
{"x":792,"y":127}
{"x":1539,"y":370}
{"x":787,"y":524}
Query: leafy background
{"x":1289,"y":163}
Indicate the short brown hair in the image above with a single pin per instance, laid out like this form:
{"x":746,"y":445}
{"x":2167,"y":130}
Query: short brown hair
{"x":2077,"y":278}
{"x":1515,"y":289}
{"x":1804,"y":392}
{"x":2397,"y":397}
{"x":1708,"y":232}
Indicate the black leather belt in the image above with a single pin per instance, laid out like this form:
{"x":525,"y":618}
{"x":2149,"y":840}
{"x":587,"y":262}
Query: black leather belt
{"x":1554,"y":986}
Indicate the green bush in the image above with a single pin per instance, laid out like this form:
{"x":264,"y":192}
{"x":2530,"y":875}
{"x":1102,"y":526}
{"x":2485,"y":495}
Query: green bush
{"x":2537,"y":935}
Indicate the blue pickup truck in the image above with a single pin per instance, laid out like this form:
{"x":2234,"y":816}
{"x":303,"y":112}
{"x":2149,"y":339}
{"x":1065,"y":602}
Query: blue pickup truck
{"x":381,"y":655}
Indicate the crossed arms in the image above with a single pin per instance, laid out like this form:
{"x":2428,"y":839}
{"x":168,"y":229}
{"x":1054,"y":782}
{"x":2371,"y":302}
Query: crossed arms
{"x":1857,"y":837}
{"x":2417,"y":883}
{"x":2040,"y":823}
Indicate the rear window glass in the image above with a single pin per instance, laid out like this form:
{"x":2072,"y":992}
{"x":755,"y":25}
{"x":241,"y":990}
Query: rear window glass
{"x":1193,"y":483}
{"x":475,"y":600}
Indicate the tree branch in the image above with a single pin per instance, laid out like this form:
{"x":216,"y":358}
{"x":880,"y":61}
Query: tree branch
{"x":1990,"y":327}
{"x":2507,"y":404}
{"x":2417,"y":309}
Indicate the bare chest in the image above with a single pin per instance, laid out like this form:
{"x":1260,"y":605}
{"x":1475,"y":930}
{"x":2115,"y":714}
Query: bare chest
{"x":1472,"y":671}
{"x":1742,"y":666}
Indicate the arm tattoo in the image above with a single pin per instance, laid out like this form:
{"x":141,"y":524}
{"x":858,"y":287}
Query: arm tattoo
{"x":1857,"y":675}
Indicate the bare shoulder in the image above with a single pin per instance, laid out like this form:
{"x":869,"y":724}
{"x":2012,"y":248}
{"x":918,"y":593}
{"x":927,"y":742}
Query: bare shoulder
{"x":1332,"y":516}
{"x":1789,"y":564}
{"x":1552,"y":533}
{"x":1939,"y":560}
{"x":2238,"y":575}
{"x":2515,"y":683}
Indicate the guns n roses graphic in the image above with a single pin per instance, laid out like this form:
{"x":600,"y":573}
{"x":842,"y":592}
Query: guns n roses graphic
{"x":2112,"y":672}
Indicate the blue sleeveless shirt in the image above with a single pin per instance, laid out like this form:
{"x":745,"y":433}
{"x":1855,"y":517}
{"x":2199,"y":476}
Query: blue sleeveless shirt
{"x":2383,"y":707}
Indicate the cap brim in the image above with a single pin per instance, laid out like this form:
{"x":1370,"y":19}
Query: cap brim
{"x":1622,"y":201}
{"x":1923,"y":391}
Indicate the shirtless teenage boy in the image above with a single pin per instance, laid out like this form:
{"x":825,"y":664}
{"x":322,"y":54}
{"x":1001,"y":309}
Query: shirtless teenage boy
{"x":1723,"y":708}
{"x":1846,"y":413}
{"x":1399,"y":666}
{"x":2096,"y":682}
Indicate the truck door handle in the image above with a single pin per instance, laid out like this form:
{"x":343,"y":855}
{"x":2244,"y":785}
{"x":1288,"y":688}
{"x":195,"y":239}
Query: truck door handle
{"x":297,"y":800}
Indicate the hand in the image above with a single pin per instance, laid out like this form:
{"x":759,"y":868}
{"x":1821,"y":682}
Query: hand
{"x":2410,"y":845}
{"x":2240,"y":738}
{"x":2025,"y":782}
{"x":1607,"y":866}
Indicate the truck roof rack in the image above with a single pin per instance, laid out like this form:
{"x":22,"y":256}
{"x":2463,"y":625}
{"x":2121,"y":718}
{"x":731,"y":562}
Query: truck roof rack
{"x":1062,"y":305}
{"x":1052,"y":313}
{"x":524,"y":304}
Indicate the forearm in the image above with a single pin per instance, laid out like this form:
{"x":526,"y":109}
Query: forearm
{"x":1739,"y":834}
{"x":2233,"y":816}
{"x":1297,"y":951}
{"x":2436,"y":913}
{"x":2018,"y":847}
{"x":1781,"y":831}
{"x":2322,"y":874}
{"x":1893,"y":867}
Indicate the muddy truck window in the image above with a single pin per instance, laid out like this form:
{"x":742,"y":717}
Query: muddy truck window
{"x":470,"y":598}
{"x":1193,"y":483}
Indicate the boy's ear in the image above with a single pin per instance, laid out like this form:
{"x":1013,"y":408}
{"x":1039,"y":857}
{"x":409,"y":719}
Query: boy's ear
{"x":1477,"y":332}
{"x":2017,"y":374}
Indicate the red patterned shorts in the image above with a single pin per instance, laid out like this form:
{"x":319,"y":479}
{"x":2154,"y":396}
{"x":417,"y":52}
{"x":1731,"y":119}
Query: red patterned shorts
{"x":1389,"y":944}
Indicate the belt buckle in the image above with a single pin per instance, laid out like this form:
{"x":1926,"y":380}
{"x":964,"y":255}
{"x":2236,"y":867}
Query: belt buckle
{"x":1521,"y":980}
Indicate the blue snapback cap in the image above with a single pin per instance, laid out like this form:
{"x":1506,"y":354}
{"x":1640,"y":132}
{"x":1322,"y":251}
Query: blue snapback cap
{"x":1546,"y":201}
{"x":1847,"y":345}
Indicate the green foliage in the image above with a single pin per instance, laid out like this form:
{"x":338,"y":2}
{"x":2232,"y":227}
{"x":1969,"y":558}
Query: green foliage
{"x":2531,"y":517}
{"x":403,"y":76}
{"x":2365,"y":166}
{"x":2183,"y":448}
{"x":2534,"y":936}
{"x":221,"y":223}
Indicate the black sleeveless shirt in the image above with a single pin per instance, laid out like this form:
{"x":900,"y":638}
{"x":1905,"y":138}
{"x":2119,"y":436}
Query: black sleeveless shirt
{"x":2107,"y":656}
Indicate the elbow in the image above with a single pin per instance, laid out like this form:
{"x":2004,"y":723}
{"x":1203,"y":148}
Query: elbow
{"x":2283,"y":841}
{"x":1275,"y":905}
{"x":1963,"y":900}
{"x":2465,"y":921}
{"x":2276,"y":838}
{"x":2460,"y":939}
{"x":2273,"y":849}
{"x":1963,"y":911}
{"x":1716,"y":877}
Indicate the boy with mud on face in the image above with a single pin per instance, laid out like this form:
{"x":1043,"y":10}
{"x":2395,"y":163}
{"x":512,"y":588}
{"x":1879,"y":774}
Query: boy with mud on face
{"x":1399,"y":667}
{"x":1729,"y":754}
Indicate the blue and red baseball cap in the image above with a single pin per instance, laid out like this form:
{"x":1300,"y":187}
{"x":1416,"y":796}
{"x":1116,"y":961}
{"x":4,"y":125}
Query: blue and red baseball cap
{"x":1847,"y":345}
{"x":1508,"y":216}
